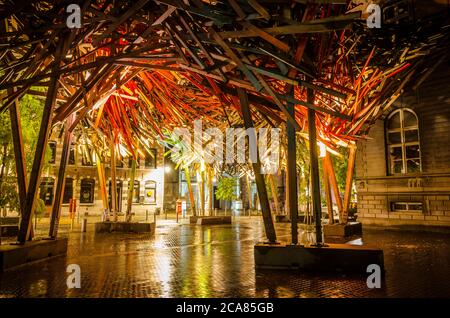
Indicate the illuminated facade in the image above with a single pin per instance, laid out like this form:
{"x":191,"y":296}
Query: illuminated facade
{"x":82,"y":182}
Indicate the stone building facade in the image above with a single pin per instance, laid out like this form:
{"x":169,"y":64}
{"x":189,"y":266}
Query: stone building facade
{"x":403,"y":168}
{"x":82,"y":182}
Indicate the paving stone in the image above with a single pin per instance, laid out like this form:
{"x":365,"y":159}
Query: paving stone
{"x":183,"y":260}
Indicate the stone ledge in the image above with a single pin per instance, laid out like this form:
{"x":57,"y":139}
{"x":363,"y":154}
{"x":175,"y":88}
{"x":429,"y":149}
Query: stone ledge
{"x":16,"y":255}
{"x":210,"y":220}
{"x":124,"y":227}
{"x":332,"y":258}
{"x":9,"y":230}
{"x":342,"y":230}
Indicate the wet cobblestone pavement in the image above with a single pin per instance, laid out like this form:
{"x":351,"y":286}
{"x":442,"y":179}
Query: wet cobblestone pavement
{"x":217,"y":261}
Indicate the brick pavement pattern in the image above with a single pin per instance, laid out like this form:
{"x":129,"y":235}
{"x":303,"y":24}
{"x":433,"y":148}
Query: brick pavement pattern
{"x":184,"y":260}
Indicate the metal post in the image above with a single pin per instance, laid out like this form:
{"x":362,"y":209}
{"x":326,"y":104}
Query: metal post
{"x":315,"y":182}
{"x":56,"y":209}
{"x":292,"y":175}
{"x":260,"y":184}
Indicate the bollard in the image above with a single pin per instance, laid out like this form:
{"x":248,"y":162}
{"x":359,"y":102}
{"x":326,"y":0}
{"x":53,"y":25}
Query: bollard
{"x":84,"y":225}
{"x":146,"y":215}
{"x":154,"y":218}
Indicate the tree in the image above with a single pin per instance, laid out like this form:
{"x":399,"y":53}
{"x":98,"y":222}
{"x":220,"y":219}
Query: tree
{"x":226,"y":190}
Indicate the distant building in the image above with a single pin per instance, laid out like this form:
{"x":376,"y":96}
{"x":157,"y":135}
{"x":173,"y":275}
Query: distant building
{"x":82,"y":183}
{"x":403,"y":169}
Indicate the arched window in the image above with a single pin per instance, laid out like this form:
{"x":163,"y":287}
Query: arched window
{"x":402,"y":138}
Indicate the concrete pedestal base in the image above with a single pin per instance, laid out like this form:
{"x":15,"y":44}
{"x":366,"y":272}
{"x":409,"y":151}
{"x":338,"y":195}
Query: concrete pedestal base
{"x":210,"y":220}
{"x":15,"y":255}
{"x":282,"y":219}
{"x":332,"y":258}
{"x":124,"y":227}
{"x":9,"y":220}
{"x":342,"y":230}
{"x":9,"y":230}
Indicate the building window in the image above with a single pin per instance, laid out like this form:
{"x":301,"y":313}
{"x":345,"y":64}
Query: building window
{"x":130,"y":160}
{"x":150,"y":192}
{"x":136,"y":191}
{"x":72,"y":154}
{"x":87,"y":191}
{"x":402,"y":138}
{"x":119,"y":163}
{"x":52,"y":146}
{"x":150,"y":159}
{"x":406,"y":206}
{"x":46,"y":190}
{"x":68,"y":191}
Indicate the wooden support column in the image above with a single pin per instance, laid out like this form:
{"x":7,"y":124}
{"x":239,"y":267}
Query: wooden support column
{"x":315,"y":181}
{"x":113,"y":182}
{"x":333,"y":182}
{"x":102,"y":181}
{"x":326,"y":182}
{"x":286,"y":192}
{"x":44,"y":132}
{"x":210,"y":190}
{"x":60,"y":182}
{"x":191,"y":192}
{"x":260,"y":184}
{"x":202,"y":193}
{"x":249,"y":192}
{"x":348,"y":183}
{"x":21,"y":169}
{"x":292,"y":174}
{"x":130,"y":190}
{"x":274,"y":189}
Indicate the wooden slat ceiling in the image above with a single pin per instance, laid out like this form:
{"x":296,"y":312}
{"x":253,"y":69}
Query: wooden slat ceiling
{"x":136,"y":69}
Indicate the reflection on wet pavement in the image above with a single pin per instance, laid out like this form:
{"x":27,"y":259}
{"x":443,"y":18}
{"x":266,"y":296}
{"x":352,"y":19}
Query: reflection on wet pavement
{"x":217,"y":261}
